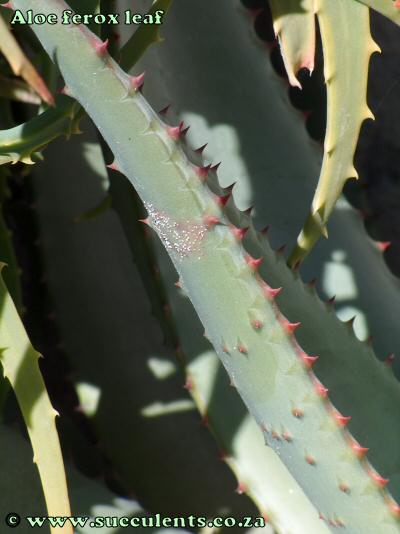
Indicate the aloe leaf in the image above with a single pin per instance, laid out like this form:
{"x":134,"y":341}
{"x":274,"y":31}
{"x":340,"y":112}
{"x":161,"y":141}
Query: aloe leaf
{"x":20,"y":366}
{"x":20,"y":64}
{"x":254,"y":340}
{"x":387,"y":8}
{"x":294,"y":25}
{"x":348,"y":47}
{"x":238,"y":436}
{"x":159,"y":423}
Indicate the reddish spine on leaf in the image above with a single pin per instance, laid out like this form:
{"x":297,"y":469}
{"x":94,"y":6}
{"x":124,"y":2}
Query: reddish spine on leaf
{"x":242,"y":349}
{"x":286,"y":436}
{"x":395,"y":508}
{"x":137,"y":81}
{"x":376,"y":477}
{"x":360,"y":451}
{"x":344,"y":487}
{"x":113,"y":166}
{"x":211,"y":220}
{"x":222,"y":199}
{"x":241,"y":488}
{"x":290,"y":327}
{"x":341,"y":419}
{"x":253,"y":263}
{"x":239,"y":233}
{"x":257,"y":325}
{"x":321,"y":390}
{"x":308,"y":360}
{"x":101,"y":47}
{"x":297,"y":412}
{"x":270,"y":292}
{"x":175,"y":132}
{"x":202,"y":172}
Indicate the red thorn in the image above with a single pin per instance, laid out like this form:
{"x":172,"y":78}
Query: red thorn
{"x":202,"y":172}
{"x":360,"y":451}
{"x":286,"y":436}
{"x":310,"y":460}
{"x":253,"y":262}
{"x":397,"y":4}
{"x":290,"y":327}
{"x":215,"y":167}
{"x":201,"y":149}
{"x":281,"y":250}
{"x":188,"y":384}
{"x":165,"y":110}
{"x":270,"y":292}
{"x":175,"y":132}
{"x":297,"y":412}
{"x":275,"y":435}
{"x":205,"y":420}
{"x":321,"y":390}
{"x":383,"y":245}
{"x":178,"y":284}
{"x":265,"y":230}
{"x":257,"y":325}
{"x":242,"y":349}
{"x":225,"y":349}
{"x":137,"y":81}
{"x":340,"y":419}
{"x":145,"y":221}
{"x":369,"y":340}
{"x":211,"y":220}
{"x":241,"y":488}
{"x":239,"y":233}
{"x":344,"y":487}
{"x":223,"y":199}
{"x":395,"y":508}
{"x":100,"y":47}
{"x":308,"y":360}
{"x":389,"y":360}
{"x":113,"y":166}
{"x":8,"y":5}
{"x":249,"y":210}
{"x":331,"y":301}
{"x":380,"y":481}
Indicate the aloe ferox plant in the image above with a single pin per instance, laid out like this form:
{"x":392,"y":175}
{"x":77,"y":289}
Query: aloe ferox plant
{"x":293,"y":393}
